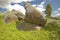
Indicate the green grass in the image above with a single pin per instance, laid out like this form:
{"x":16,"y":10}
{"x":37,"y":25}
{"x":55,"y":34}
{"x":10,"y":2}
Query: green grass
{"x":9,"y":32}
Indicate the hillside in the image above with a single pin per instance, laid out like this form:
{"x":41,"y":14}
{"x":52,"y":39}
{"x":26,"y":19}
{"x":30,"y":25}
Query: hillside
{"x":50,"y":32}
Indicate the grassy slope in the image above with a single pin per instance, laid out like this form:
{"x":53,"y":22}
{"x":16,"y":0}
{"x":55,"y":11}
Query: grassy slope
{"x":9,"y":32}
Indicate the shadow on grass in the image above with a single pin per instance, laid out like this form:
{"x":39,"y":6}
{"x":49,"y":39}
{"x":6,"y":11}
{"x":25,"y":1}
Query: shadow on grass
{"x":53,"y":26}
{"x":20,"y":25}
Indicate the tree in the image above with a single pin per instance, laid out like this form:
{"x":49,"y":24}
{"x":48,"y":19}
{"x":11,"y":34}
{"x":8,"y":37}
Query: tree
{"x":48,"y":10}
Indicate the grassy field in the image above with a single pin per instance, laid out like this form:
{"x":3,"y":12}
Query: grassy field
{"x":9,"y":32}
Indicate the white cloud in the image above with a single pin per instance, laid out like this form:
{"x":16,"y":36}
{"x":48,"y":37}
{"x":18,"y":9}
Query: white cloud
{"x":4,"y":3}
{"x":20,"y":0}
{"x":16,"y":7}
{"x":55,"y":13}
{"x":40,"y":7}
{"x":58,"y":9}
{"x":42,"y":3}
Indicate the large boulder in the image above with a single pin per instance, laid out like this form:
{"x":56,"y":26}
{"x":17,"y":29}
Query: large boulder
{"x":33,"y":15}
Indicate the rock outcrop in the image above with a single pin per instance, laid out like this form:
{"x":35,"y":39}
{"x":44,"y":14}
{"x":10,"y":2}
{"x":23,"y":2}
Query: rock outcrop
{"x":33,"y":19}
{"x":13,"y":15}
{"x":10,"y":18}
{"x":33,"y":15}
{"x":19,"y":14}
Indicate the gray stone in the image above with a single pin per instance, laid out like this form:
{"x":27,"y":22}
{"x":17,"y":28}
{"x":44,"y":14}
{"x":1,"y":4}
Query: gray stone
{"x":19,"y":14}
{"x":34,"y":16}
{"x":10,"y":18}
{"x":27,"y":26}
{"x":13,"y":15}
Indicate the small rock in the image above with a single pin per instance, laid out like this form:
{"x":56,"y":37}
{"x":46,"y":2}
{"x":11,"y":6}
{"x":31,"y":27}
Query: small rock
{"x":10,"y":18}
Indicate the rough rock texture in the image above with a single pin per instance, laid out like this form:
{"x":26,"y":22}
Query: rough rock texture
{"x":13,"y":15}
{"x":27,"y":26}
{"x":33,"y":19}
{"x":10,"y":18}
{"x":33,"y":15}
{"x":19,"y":14}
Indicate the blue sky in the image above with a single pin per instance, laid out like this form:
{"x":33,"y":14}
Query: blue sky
{"x":54,"y":3}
